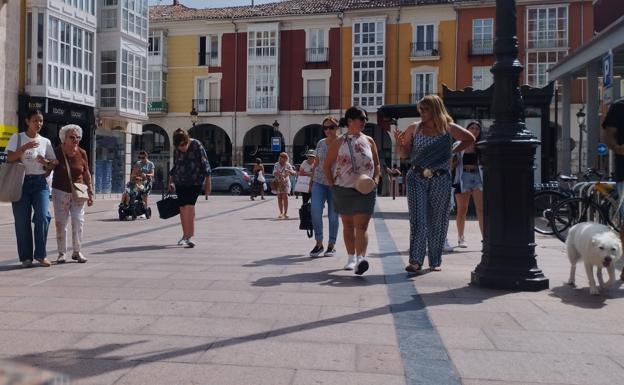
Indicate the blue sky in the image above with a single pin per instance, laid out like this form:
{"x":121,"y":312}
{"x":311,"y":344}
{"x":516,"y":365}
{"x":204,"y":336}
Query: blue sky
{"x":211,"y":3}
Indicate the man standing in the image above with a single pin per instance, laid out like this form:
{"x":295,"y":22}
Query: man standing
{"x":145,"y":169}
{"x":613,"y":136}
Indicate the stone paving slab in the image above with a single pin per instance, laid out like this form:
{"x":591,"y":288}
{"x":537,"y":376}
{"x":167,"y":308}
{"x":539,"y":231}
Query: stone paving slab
{"x":243,"y":308}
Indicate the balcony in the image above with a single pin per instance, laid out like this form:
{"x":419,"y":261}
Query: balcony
{"x":425,"y":50}
{"x":481,"y":47}
{"x":317,"y":55}
{"x":207,"y":105}
{"x":157,"y":107}
{"x":316,"y":103}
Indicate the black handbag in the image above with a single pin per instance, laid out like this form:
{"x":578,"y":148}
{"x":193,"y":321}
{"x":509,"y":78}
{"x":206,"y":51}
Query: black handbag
{"x":168,"y":206}
{"x":305,"y":219}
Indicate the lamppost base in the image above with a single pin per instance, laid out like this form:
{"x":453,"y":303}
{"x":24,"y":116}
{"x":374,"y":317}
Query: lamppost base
{"x":532,"y":280}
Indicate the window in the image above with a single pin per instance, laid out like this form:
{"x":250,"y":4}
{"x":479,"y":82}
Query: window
{"x":153,"y":44}
{"x":368,"y":63}
{"x":109,"y":18}
{"x":53,"y":40}
{"x":368,"y":38}
{"x":482,"y":36}
{"x":547,"y":41}
{"x":368,"y":83}
{"x":84,"y":5}
{"x":547,"y":27}
{"x":423,"y":83}
{"x":157,"y":85}
{"x":207,"y":95}
{"x":316,"y":98}
{"x":109,"y":67}
{"x":209,"y":50}
{"x":317,"y":50}
{"x":108,"y":97}
{"x":424,"y":41}
{"x":262,"y":67}
{"x":134,"y":17}
{"x":538,"y":64}
{"x":77,"y":47}
{"x":133,"y":82}
{"x":482,"y":78}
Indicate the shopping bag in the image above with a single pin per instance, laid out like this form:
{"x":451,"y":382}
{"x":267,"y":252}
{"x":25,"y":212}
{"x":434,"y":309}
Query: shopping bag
{"x":305,"y":219}
{"x":11,"y":181}
{"x":261,"y":177}
{"x":303,"y":184}
{"x":168,"y":207}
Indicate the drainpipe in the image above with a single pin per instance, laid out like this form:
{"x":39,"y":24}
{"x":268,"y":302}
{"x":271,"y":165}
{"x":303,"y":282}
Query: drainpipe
{"x":235,"y":125}
{"x":398,"y":50}
{"x":341,"y":17}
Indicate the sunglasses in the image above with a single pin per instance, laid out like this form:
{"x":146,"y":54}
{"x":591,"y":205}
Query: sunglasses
{"x":362,"y":118}
{"x":182,"y":144}
{"x":141,"y":157}
{"x":332,"y":127}
{"x":75,"y":137}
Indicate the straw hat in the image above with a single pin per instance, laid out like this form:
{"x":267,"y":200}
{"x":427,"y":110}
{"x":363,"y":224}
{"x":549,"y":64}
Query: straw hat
{"x":365,"y":184}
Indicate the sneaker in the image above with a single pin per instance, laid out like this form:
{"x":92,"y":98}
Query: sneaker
{"x":188,"y":244}
{"x":78,"y":257}
{"x":447,"y":247}
{"x":61,"y":258}
{"x":461,"y":242}
{"x":350,"y":263}
{"x":361,"y":266}
{"x":317,"y":251}
{"x":330,"y":251}
{"x":181,"y":241}
{"x":44,"y":262}
{"x":27,"y":263}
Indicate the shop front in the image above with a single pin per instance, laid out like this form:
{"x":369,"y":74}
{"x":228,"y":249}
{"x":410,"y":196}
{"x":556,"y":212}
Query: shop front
{"x":56,"y":114}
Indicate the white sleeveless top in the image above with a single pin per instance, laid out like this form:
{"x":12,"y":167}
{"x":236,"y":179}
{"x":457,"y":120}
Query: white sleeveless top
{"x":350,"y":163}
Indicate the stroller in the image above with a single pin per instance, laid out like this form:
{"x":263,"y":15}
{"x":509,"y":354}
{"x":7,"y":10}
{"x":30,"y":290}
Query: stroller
{"x":135,"y":206}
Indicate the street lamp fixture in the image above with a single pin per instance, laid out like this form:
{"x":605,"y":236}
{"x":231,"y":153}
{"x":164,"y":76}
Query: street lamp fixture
{"x":580,"y":119}
{"x":275,"y":126}
{"x":194,"y":116}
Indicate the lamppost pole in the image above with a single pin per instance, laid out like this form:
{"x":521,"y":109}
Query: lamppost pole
{"x":194,"y":116}
{"x":580,"y":120}
{"x":508,"y":260}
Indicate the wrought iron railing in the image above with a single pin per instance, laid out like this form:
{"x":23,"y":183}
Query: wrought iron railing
{"x":207,"y":105}
{"x":157,"y":106}
{"x":482,"y":47}
{"x":314,"y":103}
{"x":425,"y":48}
{"x":317,"y":55}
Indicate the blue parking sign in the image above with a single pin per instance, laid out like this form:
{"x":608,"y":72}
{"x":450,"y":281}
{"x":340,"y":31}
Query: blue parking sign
{"x":607,"y":69}
{"x":276,"y":144}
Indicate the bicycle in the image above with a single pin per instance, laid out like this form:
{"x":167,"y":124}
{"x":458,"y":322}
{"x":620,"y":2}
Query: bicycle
{"x":548,"y":195}
{"x":597,"y":203}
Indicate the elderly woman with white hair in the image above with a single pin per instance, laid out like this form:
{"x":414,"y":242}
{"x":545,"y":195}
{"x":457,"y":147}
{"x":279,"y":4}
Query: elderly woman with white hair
{"x":73,"y":167}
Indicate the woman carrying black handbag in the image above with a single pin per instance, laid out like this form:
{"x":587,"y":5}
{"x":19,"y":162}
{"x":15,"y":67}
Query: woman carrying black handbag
{"x":189,"y":177}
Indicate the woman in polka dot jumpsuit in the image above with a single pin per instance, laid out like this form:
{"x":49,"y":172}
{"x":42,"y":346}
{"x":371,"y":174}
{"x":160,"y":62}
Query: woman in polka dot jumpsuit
{"x":428,"y":146}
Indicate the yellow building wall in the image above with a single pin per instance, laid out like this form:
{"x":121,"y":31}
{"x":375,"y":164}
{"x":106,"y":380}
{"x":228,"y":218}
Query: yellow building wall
{"x":183,"y":68}
{"x":398,"y":47}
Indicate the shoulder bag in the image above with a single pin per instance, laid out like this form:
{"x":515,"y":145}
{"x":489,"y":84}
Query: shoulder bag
{"x":80,"y":192}
{"x":168,"y":206}
{"x":364,"y":183}
{"x":12,"y":178}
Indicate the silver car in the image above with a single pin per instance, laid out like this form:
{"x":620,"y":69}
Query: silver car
{"x":235,"y":180}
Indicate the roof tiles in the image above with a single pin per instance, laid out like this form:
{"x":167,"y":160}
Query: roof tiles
{"x":284,"y":8}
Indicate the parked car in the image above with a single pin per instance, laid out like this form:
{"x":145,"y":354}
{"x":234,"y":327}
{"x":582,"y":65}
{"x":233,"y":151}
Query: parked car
{"x":235,"y":180}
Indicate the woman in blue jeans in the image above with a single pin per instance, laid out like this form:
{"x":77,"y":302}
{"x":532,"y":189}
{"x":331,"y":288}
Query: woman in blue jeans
{"x":37,"y":155}
{"x":321,"y":193}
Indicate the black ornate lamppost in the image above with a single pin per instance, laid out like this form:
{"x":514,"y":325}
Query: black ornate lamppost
{"x":580,"y":119}
{"x":275,"y":127}
{"x":508,"y":260}
{"x":194,"y":116}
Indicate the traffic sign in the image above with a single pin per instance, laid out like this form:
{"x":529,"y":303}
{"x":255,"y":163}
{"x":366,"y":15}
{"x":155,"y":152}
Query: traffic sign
{"x":602,"y":149}
{"x":276,"y":144}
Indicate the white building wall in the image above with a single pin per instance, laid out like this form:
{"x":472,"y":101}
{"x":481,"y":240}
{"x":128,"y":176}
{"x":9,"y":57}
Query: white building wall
{"x":10,"y":42}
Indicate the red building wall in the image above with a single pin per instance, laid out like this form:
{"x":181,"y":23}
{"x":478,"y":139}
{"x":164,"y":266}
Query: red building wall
{"x":606,"y":12}
{"x":232,"y":57}
{"x":292,"y":62}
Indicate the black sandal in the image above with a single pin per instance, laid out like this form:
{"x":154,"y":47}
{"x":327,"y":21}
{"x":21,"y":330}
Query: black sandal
{"x":413,"y":268}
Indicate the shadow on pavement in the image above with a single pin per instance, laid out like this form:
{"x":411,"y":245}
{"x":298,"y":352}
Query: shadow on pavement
{"x":280,"y":261}
{"x":580,"y":297}
{"x":132,"y":249}
{"x":324,"y":277}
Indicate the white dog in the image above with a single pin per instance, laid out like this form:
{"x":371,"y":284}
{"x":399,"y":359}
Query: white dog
{"x":597,"y":245}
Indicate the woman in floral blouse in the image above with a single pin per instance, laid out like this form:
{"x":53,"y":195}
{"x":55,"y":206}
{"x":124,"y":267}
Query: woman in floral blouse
{"x":282,"y":171}
{"x":189,"y":176}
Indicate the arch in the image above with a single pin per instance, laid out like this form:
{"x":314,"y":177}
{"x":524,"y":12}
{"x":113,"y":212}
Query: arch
{"x":257,"y":144}
{"x":216,"y":142}
{"x":306,"y":138}
{"x":157,"y":144}
{"x":383,"y":142}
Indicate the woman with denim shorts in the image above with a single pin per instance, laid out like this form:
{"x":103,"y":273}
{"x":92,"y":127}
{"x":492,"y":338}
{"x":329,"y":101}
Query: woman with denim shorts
{"x":468,"y":183}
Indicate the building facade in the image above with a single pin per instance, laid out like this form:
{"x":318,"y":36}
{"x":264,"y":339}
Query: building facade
{"x":270,"y":73}
{"x":10,"y":42}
